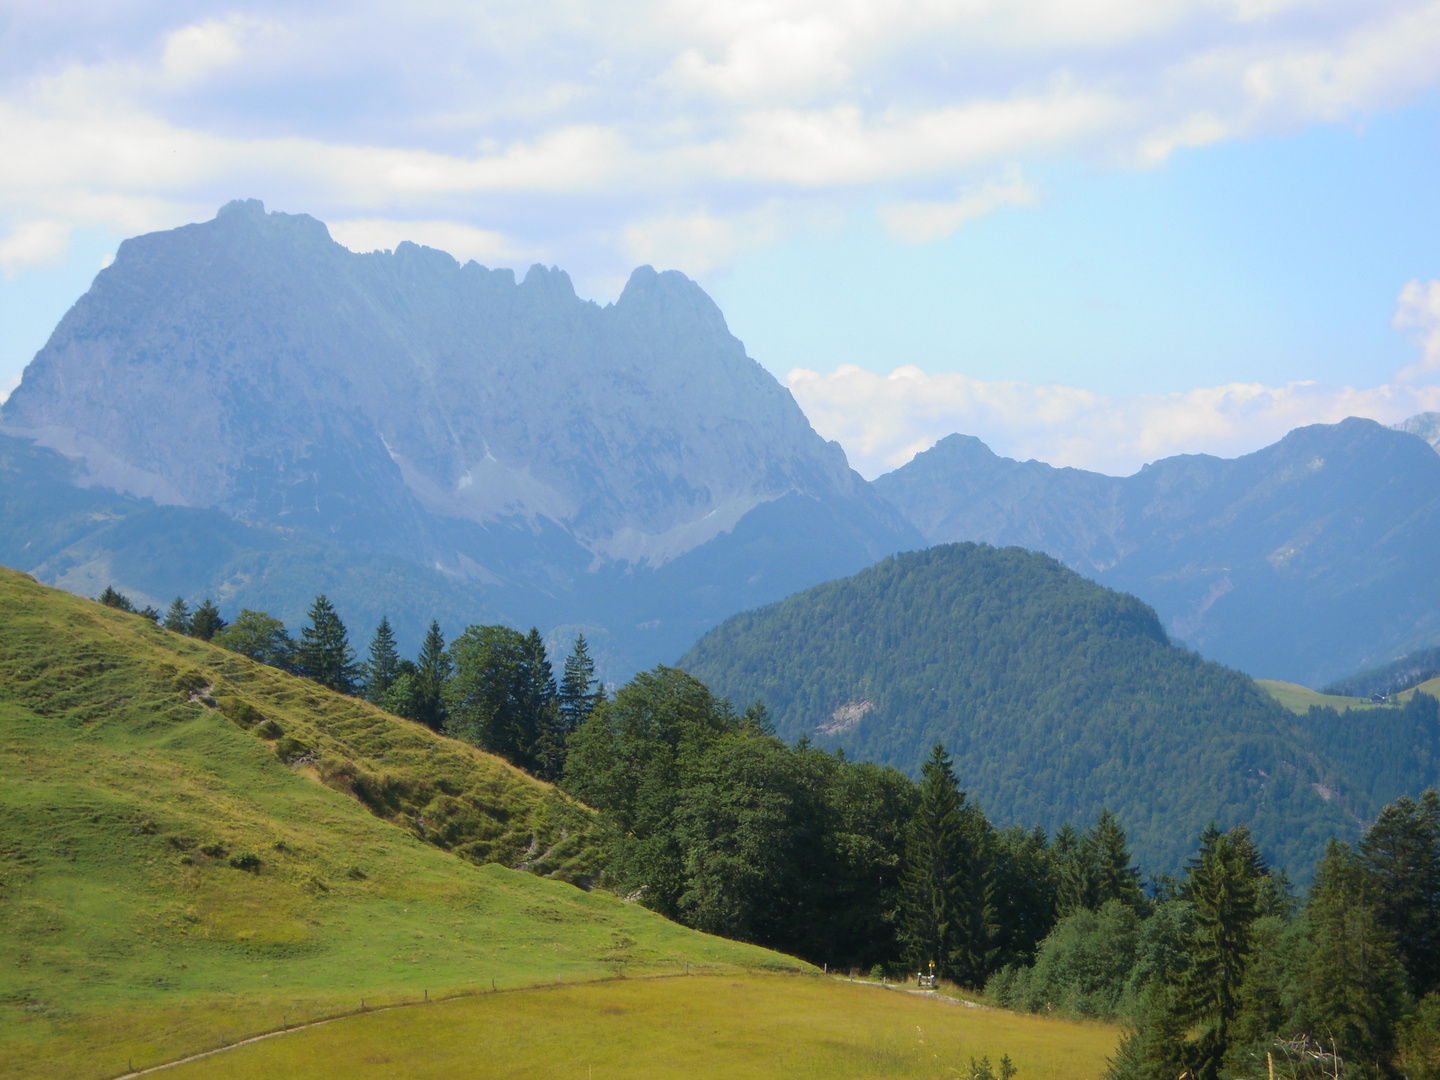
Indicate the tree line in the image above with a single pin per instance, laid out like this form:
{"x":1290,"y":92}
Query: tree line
{"x":710,"y":819}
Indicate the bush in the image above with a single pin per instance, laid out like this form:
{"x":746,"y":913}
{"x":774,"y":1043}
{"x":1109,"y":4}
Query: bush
{"x":215,"y":850}
{"x":241,"y":713}
{"x":1081,"y":968}
{"x":269,"y":730}
{"x":290,"y":748}
{"x":245,"y":860}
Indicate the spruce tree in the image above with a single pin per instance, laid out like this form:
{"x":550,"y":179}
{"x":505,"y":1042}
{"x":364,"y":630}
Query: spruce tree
{"x":1077,"y":871}
{"x":1353,"y":984}
{"x":540,"y":703}
{"x":206,"y":622}
{"x":324,"y":652}
{"x":383,"y":665}
{"x":1222,"y":886}
{"x":943,"y":891}
{"x":178,"y":617}
{"x":1401,"y":854}
{"x":579,"y":691}
{"x":117,"y":600}
{"x":1115,"y":878}
{"x":433,"y":669}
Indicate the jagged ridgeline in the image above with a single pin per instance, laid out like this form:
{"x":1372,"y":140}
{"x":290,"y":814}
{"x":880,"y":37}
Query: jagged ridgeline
{"x":1056,"y":696}
{"x":195,"y":848}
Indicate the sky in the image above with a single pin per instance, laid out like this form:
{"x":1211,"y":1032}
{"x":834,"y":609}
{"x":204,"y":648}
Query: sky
{"x":1093,"y":232}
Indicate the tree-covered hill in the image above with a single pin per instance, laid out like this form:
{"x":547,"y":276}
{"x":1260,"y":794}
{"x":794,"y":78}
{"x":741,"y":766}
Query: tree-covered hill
{"x":1056,"y":696}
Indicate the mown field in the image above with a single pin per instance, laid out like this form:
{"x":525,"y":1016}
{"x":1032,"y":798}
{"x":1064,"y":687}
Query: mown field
{"x":732,"y":1026}
{"x":169,"y":883}
{"x":1431,"y":687}
{"x":1298,"y":699}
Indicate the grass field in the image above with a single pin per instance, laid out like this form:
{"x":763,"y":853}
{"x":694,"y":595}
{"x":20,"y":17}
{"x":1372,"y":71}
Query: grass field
{"x":1432,"y":687}
{"x":129,"y":934}
{"x":1298,"y":699}
{"x":734,"y":1027}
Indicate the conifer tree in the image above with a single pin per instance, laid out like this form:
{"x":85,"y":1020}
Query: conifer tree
{"x":539,"y":701}
{"x":324,"y":652}
{"x":178,"y":617}
{"x":117,"y":600}
{"x":1222,"y":886}
{"x":206,"y":622}
{"x":943,"y":888}
{"x":1353,"y":984}
{"x":1115,"y":878}
{"x":383,"y":665}
{"x":579,"y":691}
{"x":433,"y":669}
{"x":1401,"y":853}
{"x":1077,"y":871}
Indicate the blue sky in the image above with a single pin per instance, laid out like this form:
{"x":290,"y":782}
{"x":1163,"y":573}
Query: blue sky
{"x":1094,"y":232}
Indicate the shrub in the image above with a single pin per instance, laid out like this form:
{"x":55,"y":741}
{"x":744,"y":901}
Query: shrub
{"x":241,"y":713}
{"x":290,"y":748}
{"x":356,"y":874}
{"x":215,"y":850}
{"x":269,"y":730}
{"x":245,"y":860}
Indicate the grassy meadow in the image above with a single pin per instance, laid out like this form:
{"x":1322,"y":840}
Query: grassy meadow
{"x":730,"y":1026}
{"x":169,"y":882}
{"x":1298,"y":699}
{"x":1431,"y":687}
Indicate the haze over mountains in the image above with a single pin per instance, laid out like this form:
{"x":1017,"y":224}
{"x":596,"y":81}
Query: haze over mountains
{"x":246,"y":409}
{"x":1305,"y":561}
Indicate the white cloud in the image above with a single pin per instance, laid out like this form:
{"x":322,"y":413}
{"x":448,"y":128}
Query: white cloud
{"x":576,"y":126}
{"x":34,"y":242}
{"x":1418,"y":308}
{"x":921,"y":222}
{"x":8,"y":387}
{"x":883,"y":421}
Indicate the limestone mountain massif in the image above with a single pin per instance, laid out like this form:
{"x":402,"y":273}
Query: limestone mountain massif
{"x":520,"y":442}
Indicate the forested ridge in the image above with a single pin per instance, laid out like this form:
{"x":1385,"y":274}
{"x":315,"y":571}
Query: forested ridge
{"x":1056,"y":696}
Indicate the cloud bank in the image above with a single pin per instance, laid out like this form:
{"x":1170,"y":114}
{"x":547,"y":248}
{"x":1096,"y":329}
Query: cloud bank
{"x":606,"y":131}
{"x":883,"y":421}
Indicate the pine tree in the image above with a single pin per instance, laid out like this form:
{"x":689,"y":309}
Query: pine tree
{"x":433,"y":669}
{"x":178,"y":617}
{"x":1401,"y":854}
{"x":383,"y":665}
{"x":1115,"y":878}
{"x":1077,"y":872}
{"x":943,"y":891}
{"x":324,"y":652}
{"x":206,"y":622}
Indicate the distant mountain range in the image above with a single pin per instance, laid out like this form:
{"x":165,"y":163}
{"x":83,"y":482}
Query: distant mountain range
{"x":509,"y":450}
{"x":1305,"y":561}
{"x":1058,"y":698}
{"x":245,"y":409}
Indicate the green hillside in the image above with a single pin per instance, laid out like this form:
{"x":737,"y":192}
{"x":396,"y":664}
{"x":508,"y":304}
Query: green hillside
{"x":1056,"y":696}
{"x":194,"y":848}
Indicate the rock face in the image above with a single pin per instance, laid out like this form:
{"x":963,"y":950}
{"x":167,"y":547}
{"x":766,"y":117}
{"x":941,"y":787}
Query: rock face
{"x":1304,"y":561}
{"x":253,"y":365}
{"x":403,"y":404}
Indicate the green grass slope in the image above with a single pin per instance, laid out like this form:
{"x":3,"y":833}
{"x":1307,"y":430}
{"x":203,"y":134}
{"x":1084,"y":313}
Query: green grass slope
{"x":1298,"y":699}
{"x":725,"y":1028}
{"x":1056,"y":696}
{"x":169,"y":883}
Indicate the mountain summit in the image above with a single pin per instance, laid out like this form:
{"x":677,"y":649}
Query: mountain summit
{"x":254,"y":365}
{"x":532,"y":456}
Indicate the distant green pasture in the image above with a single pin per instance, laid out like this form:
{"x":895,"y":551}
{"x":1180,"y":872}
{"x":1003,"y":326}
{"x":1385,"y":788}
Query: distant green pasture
{"x":1298,"y":699}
